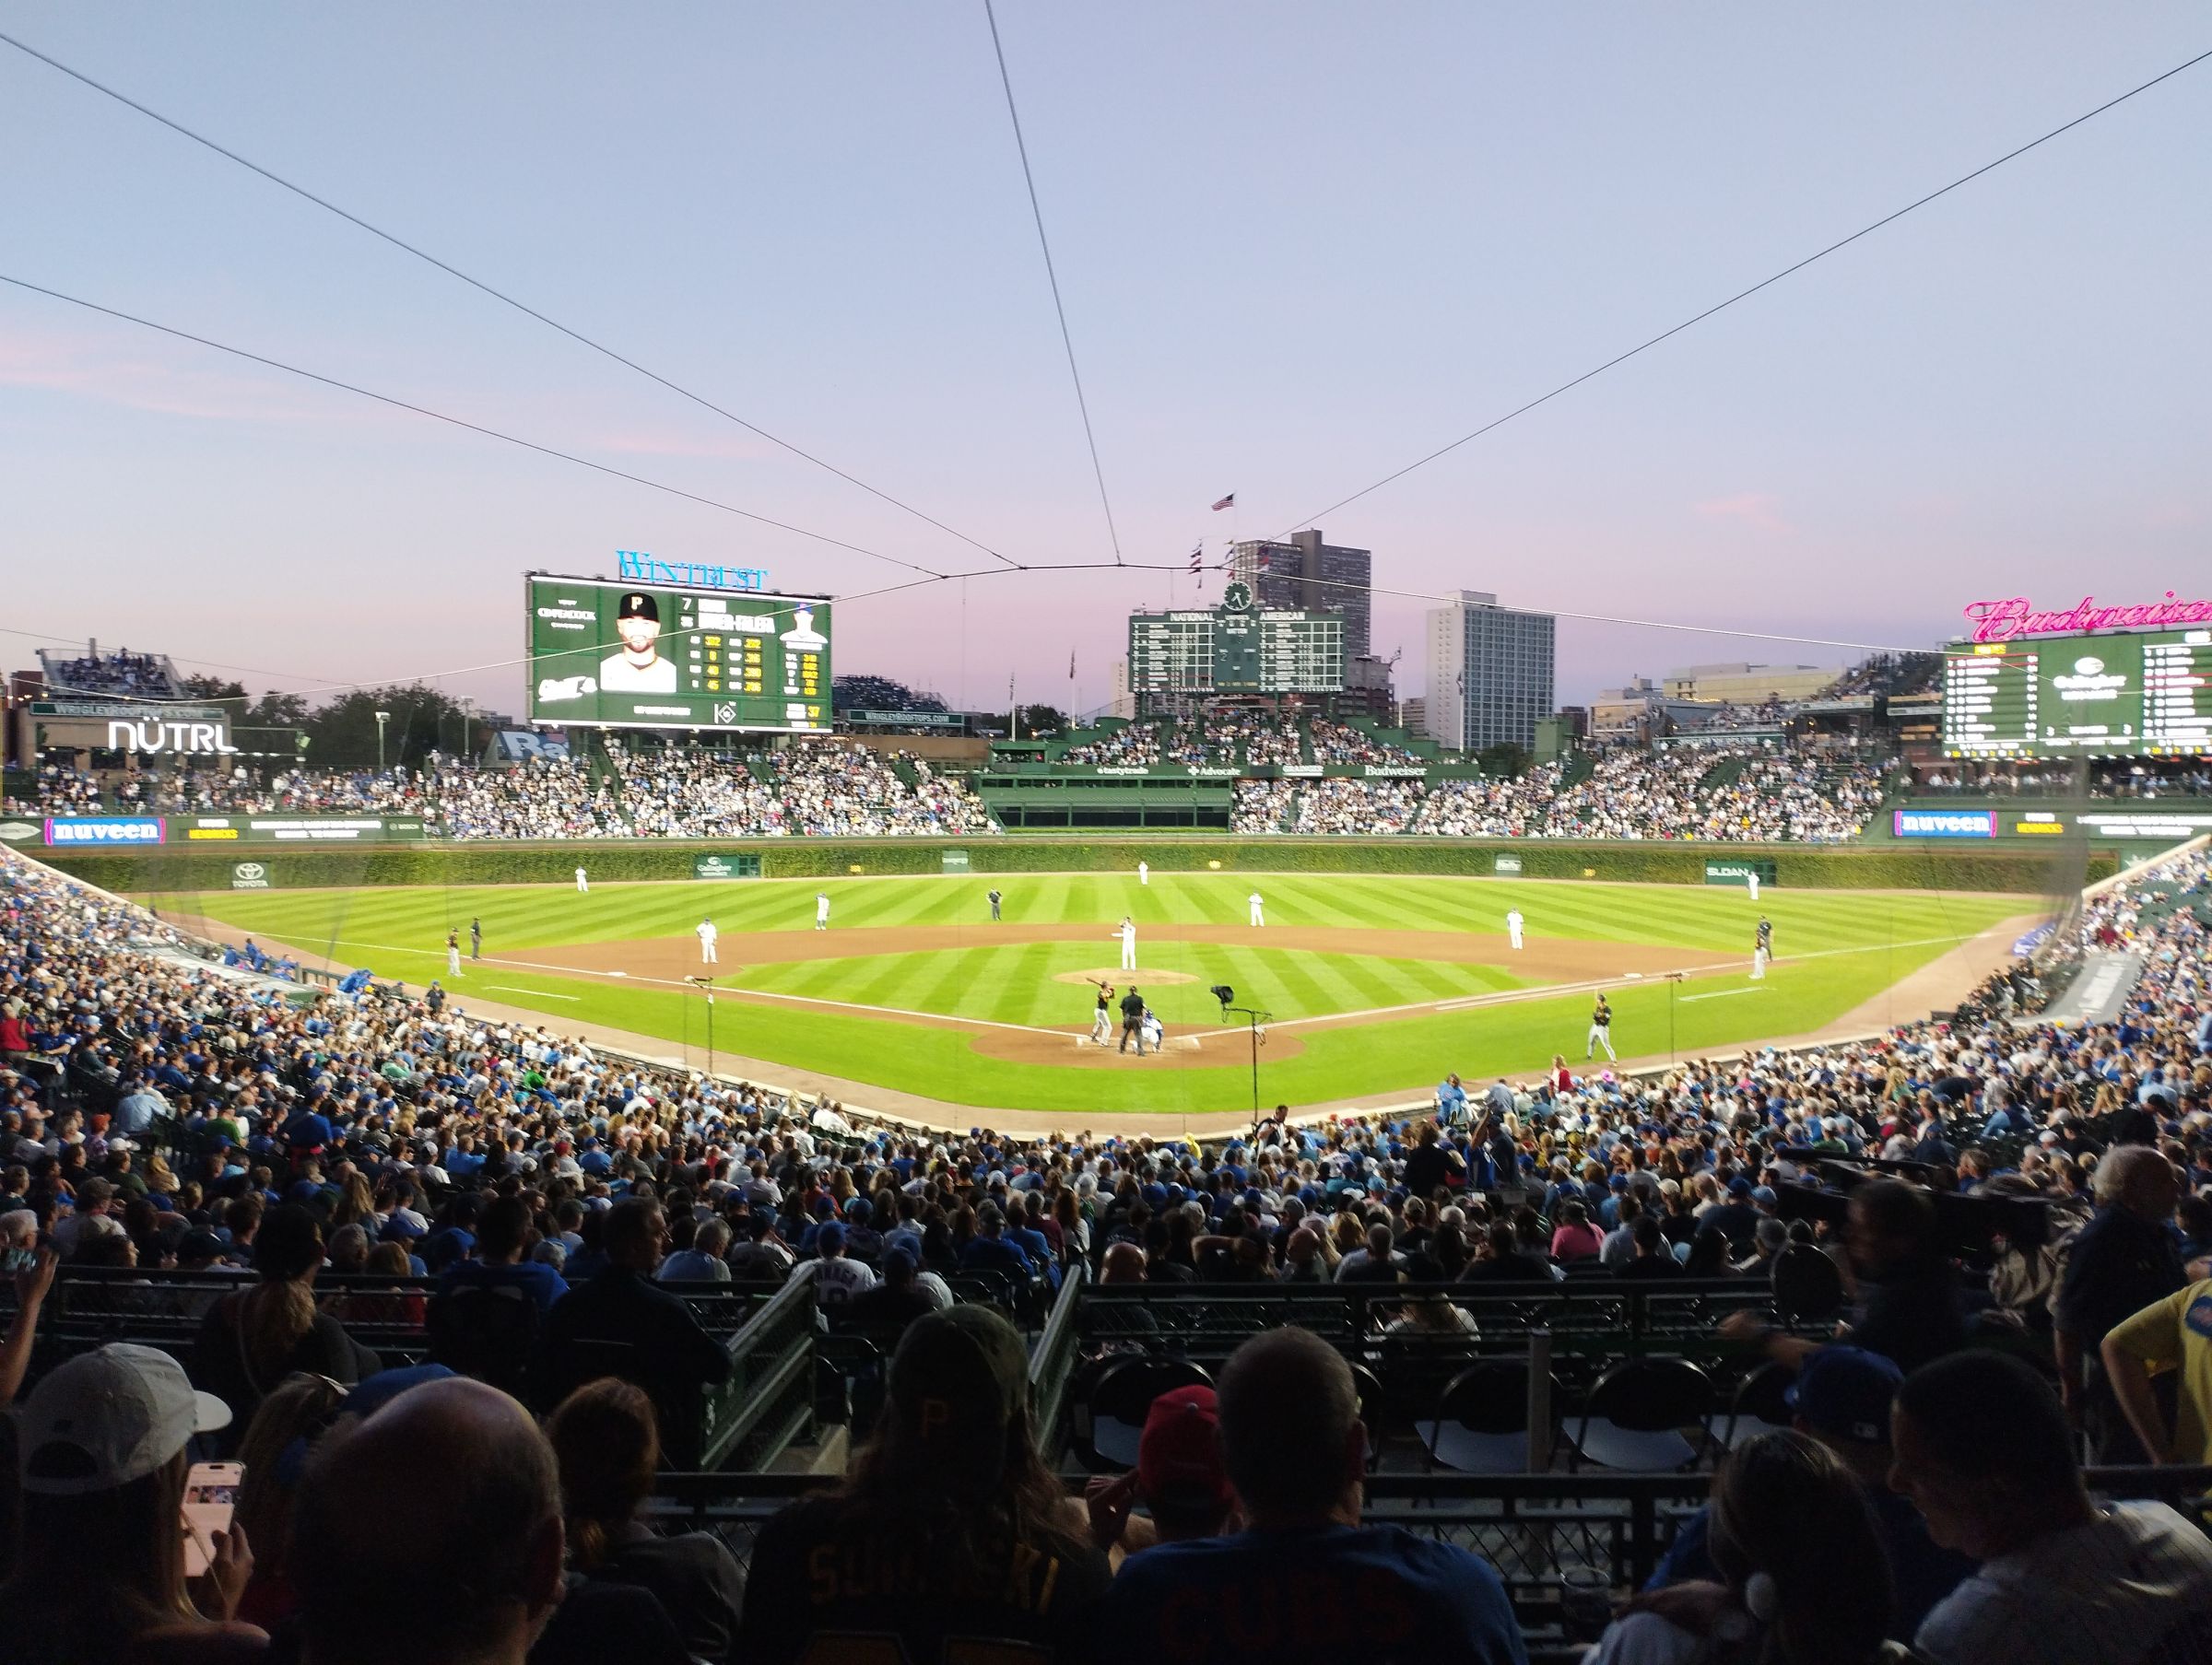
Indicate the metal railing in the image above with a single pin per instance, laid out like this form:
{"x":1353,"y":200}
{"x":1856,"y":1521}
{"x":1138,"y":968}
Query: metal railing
{"x":767,"y":1405}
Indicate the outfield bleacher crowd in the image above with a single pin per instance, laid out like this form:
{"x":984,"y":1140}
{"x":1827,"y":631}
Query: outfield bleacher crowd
{"x":810,"y":790}
{"x":573,"y":1209}
{"x":1737,"y":795}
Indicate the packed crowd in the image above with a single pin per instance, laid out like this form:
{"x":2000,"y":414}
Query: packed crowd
{"x":1340,"y":742}
{"x":153,"y":1114}
{"x":1736,"y":796}
{"x":812,"y":790}
{"x":1889,"y":673}
{"x":145,"y":675}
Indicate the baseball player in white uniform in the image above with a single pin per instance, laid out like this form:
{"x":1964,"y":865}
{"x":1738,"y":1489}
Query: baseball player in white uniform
{"x":1751,"y":883}
{"x":707,"y":935}
{"x":821,"y":911}
{"x":1144,"y":872}
{"x":1513,"y":926}
{"x":453,"y":954}
{"x":1128,"y":936}
{"x":583,"y":886}
{"x":1254,"y":905}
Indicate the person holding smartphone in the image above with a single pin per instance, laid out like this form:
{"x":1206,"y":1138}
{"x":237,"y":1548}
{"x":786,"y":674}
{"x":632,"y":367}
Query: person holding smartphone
{"x":104,"y":1463}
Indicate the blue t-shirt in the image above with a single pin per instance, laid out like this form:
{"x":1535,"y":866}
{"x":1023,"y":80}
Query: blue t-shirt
{"x":539,"y":1280}
{"x":1375,"y":1593}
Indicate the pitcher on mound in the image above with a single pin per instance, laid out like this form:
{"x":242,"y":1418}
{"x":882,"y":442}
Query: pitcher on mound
{"x":1127,"y":934}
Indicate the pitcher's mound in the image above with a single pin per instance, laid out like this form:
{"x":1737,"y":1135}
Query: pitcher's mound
{"x":1108,"y":975}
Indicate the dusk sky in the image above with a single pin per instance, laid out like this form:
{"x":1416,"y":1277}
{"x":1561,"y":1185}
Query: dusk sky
{"x":1300,"y":246}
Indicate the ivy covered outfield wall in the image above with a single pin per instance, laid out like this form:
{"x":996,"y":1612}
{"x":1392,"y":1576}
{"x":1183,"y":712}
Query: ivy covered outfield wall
{"x":2039,"y":871}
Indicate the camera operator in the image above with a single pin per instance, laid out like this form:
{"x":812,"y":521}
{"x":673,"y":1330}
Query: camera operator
{"x":1909,"y":1304}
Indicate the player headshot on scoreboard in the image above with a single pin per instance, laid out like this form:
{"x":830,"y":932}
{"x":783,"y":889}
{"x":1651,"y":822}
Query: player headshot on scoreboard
{"x":639,"y":667}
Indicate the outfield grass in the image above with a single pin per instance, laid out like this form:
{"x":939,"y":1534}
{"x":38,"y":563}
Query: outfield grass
{"x":1858,"y":944}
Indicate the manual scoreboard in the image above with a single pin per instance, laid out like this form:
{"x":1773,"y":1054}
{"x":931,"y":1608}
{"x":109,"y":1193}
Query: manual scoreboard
{"x":612,"y":655}
{"x":1236,"y":649}
{"x":2079,"y":696}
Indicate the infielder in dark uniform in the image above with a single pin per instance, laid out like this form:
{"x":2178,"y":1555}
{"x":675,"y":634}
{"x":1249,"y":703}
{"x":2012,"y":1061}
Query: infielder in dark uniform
{"x":994,"y":901}
{"x":1763,"y":946}
{"x":1132,"y":1021}
{"x":1601,"y":1029}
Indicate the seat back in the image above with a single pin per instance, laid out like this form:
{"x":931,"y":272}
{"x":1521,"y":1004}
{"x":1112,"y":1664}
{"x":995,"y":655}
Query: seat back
{"x":1807,"y":1286}
{"x":1490,"y":1398}
{"x":1125,"y":1393}
{"x":488,"y":1332}
{"x":1651,"y":1395}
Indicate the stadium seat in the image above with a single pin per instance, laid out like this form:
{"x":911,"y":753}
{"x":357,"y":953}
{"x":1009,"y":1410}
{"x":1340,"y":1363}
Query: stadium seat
{"x":1758,"y":1408}
{"x":1807,"y":1286}
{"x":1117,"y":1406}
{"x":488,"y":1332}
{"x":1635,"y":1415}
{"x":1481,"y":1422}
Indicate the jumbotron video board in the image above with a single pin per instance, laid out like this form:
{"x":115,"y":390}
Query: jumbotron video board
{"x":1236,"y":649}
{"x":2136,"y":695}
{"x":604,"y":654}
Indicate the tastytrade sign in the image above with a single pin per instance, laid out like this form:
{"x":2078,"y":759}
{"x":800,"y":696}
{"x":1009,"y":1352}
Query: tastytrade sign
{"x":2014,"y":618}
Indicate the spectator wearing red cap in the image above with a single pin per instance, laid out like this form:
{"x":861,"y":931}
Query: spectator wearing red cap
{"x":1305,"y":1581}
{"x":1179,"y":1477}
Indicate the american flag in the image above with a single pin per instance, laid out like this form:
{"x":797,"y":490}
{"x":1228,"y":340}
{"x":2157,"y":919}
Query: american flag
{"x":1228,"y":502}
{"x":1197,"y":559}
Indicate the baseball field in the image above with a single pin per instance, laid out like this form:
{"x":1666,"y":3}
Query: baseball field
{"x":1373,"y":987}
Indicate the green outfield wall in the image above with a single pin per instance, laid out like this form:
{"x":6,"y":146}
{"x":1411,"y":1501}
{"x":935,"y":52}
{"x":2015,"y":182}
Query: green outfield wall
{"x":2045,"y":870}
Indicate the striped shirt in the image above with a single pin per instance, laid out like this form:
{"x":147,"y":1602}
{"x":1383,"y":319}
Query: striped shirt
{"x":2131,"y":1587}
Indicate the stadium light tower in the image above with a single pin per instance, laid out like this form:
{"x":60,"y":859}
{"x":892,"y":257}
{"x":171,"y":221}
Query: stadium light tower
{"x":381,"y":718}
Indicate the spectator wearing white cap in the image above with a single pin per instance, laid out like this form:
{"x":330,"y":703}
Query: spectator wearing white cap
{"x":102,"y":1451}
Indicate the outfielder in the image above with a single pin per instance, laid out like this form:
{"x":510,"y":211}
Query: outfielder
{"x":821,"y":911}
{"x":583,"y":886}
{"x":1128,"y":935}
{"x":1144,"y":872}
{"x":1512,"y":927}
{"x":1253,"y":906}
{"x":1751,"y":883}
{"x":708,"y":935}
{"x":1601,"y":1030}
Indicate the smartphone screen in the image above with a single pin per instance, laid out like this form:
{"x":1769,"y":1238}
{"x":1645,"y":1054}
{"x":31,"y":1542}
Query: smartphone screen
{"x":210,"y":1497}
{"x":16,"y":1260}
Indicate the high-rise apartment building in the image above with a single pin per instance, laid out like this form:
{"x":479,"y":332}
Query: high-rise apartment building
{"x":1305,"y":575}
{"x":1490,"y":673}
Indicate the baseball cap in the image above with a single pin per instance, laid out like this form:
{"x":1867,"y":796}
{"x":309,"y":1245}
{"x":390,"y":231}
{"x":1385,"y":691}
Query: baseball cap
{"x":1845,"y":1392}
{"x":1740,"y":1187}
{"x":957,"y":1381}
{"x":1179,"y":1454}
{"x":107,"y":1417}
{"x":831,"y":1236}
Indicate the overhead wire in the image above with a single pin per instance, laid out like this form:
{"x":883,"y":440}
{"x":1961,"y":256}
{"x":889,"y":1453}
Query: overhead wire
{"x":1866,"y":230}
{"x":498,"y":295}
{"x":1053,"y":276}
{"x":477,"y":428}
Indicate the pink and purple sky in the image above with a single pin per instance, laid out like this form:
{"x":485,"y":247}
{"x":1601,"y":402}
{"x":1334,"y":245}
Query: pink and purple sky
{"x":1301,"y":245}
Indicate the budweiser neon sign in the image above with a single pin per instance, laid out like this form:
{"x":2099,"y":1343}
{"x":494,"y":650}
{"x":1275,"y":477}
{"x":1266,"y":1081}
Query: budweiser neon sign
{"x":2004,"y":620}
